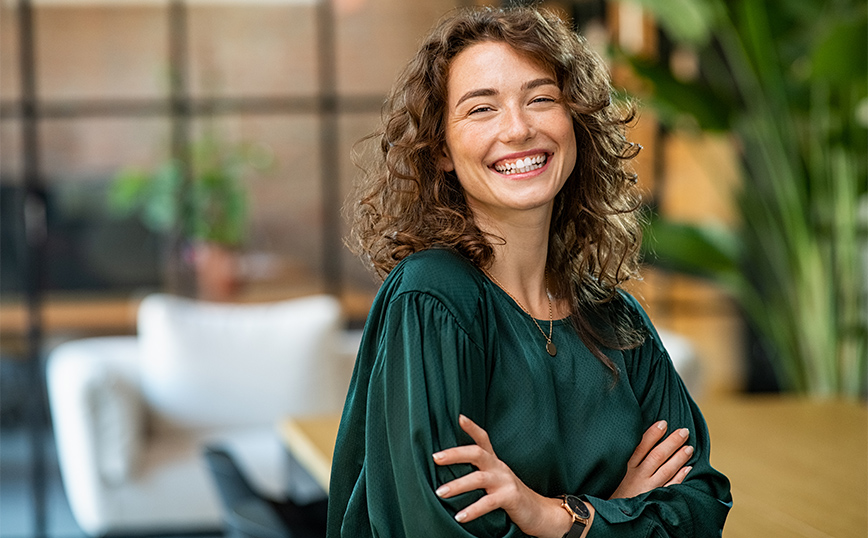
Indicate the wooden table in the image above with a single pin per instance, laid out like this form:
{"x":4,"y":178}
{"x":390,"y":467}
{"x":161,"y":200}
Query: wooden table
{"x":87,"y":314}
{"x":799,"y":468}
{"x":311,"y":441}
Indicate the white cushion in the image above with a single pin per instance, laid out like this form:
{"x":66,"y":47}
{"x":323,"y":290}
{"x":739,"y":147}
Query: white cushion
{"x":171,"y":492}
{"x":116,"y":410}
{"x":685,"y":360}
{"x":208,"y":365}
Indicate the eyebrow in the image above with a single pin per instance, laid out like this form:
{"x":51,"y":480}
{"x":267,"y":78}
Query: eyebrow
{"x":487,"y":92}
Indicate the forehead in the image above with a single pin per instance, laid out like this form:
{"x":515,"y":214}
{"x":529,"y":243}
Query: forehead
{"x":492,"y":63}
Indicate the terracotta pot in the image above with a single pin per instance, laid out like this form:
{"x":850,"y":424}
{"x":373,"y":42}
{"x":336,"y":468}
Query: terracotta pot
{"x":218,"y":275}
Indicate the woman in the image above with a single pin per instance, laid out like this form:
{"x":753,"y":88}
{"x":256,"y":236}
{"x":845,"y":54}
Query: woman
{"x":504,"y":385}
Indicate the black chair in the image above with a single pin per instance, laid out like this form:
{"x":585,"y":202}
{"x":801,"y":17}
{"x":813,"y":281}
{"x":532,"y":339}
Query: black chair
{"x":248,"y":514}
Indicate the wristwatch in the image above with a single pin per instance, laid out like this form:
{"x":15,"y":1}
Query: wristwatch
{"x":578,"y":510}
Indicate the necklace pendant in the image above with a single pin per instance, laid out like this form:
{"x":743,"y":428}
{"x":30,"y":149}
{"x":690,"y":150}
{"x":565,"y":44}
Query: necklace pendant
{"x":551,"y":348}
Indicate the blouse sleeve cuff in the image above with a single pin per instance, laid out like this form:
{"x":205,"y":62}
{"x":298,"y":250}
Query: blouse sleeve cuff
{"x":641,"y":516}
{"x":608,"y":512}
{"x":615,"y":518}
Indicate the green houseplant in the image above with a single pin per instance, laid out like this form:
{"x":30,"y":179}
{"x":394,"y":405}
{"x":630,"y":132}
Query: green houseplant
{"x":788,"y":81}
{"x":207,"y":208}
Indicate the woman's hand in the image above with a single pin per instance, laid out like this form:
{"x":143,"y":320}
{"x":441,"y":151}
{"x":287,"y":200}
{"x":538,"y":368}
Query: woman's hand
{"x":653,"y":466}
{"x":534,"y":514}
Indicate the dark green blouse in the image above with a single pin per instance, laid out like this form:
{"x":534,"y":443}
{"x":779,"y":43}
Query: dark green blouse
{"x":440,"y":340}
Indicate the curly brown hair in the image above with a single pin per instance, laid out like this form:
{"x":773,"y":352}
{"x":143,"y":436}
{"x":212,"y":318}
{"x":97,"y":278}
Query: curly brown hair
{"x":406,"y":203}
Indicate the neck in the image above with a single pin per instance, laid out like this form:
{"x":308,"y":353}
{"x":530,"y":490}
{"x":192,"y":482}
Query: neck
{"x":520,"y":260}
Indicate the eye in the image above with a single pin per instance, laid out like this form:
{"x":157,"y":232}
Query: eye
{"x":482,"y":108}
{"x":543,"y":100}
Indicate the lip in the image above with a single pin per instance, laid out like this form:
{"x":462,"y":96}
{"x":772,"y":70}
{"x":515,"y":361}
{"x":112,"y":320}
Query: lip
{"x":521,"y":155}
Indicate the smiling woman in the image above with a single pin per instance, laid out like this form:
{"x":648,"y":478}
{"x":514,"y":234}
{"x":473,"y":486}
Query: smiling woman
{"x":505,"y":385}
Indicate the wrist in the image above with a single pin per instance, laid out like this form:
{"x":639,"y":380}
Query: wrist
{"x":554,"y":520}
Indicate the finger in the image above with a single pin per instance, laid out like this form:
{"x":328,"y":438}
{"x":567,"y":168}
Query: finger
{"x":680,"y":476}
{"x":469,"y":482}
{"x":650,"y":438}
{"x":472,"y":454}
{"x":479,"y":436}
{"x":662,"y":452}
{"x":486,"y":504}
{"x":673,"y":465}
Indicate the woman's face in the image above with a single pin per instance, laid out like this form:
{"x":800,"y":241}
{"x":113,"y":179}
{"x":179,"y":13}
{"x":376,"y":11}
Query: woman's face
{"x":509,"y":137}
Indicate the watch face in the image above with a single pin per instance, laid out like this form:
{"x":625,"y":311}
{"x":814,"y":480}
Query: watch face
{"x":578,"y":506}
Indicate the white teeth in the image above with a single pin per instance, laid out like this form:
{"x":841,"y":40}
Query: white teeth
{"x":522,"y":165}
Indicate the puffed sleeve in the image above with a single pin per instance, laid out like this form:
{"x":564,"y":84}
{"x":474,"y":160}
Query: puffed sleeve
{"x":428,"y":367}
{"x":695,"y":508}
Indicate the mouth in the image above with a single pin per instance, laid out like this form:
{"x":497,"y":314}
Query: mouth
{"x":530,"y":163}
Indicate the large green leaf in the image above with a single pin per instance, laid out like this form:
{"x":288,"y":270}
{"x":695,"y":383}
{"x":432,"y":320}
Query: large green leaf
{"x":673,"y":98}
{"x":686,"y":21}
{"x":705,"y":251}
{"x":841,"y":56}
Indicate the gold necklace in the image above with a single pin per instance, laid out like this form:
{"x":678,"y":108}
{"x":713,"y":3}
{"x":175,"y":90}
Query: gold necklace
{"x":551,"y":348}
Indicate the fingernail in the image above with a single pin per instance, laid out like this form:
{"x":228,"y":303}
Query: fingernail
{"x":438,"y":456}
{"x":460,"y":516}
{"x":442,"y":490}
{"x":662,"y":424}
{"x":689,"y":450}
{"x":684,"y":432}
{"x":687,"y":470}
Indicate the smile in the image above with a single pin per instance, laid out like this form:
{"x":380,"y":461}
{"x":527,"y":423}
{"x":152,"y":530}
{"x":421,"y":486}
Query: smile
{"x":521,"y":166}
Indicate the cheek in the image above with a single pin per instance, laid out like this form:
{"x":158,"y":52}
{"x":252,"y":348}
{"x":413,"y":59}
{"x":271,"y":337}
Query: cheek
{"x":468,"y":141}
{"x":570,"y":147}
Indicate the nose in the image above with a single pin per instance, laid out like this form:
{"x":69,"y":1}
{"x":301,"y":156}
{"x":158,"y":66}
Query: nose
{"x":516,"y":125}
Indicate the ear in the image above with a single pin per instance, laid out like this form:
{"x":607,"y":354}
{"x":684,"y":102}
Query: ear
{"x":445,"y":160}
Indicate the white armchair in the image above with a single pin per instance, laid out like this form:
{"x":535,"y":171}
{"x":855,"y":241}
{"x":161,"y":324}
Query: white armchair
{"x":131,"y":414}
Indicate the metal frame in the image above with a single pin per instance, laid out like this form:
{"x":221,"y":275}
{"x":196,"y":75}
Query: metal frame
{"x":182,"y":109}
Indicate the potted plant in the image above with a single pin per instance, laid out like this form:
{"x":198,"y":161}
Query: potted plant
{"x":208,"y":211}
{"x":788,"y":81}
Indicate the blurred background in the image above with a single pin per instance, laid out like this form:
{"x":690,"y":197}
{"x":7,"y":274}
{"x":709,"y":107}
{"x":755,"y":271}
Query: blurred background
{"x":203,"y":148}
